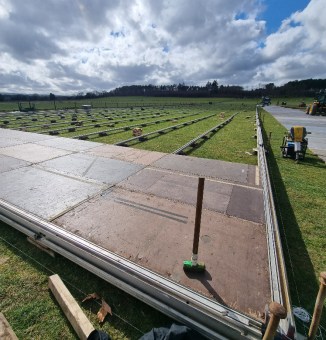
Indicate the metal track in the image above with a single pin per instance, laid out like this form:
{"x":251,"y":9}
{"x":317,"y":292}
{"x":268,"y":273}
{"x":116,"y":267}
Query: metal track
{"x":128,"y":127}
{"x":173,"y":127}
{"x":202,"y":136}
{"x":102,"y":120}
{"x":278,"y":277}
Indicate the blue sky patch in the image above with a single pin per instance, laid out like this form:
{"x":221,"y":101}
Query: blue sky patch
{"x":295,"y":24}
{"x":278,"y":10}
{"x":241,"y":16}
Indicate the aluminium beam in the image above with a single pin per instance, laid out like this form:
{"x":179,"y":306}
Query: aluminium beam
{"x":278,"y":277}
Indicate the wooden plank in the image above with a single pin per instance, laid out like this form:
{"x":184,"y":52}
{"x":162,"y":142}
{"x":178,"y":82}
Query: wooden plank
{"x":6,"y":332}
{"x":70,"y":307}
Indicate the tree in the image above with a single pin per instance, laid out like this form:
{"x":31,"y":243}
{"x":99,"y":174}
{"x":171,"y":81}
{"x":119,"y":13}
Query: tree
{"x":269,"y":87}
{"x":182,"y":87}
{"x":52,"y":96}
{"x":214,"y":87}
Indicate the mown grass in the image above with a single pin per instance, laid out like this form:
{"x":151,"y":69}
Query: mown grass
{"x":119,"y":135}
{"x":111,"y":102}
{"x":233,"y":143}
{"x":34,"y":313}
{"x":300,"y":196}
{"x":172,"y":139}
{"x":295,"y":102}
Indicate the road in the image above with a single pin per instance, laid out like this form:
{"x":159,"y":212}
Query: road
{"x":314,"y":124}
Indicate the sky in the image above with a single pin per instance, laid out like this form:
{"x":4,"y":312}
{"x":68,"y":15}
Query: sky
{"x":73,"y":46}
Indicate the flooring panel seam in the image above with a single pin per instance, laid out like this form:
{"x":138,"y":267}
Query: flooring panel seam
{"x":195,"y":175}
{"x":69,"y":152}
{"x":227,"y":208}
{"x":20,"y":143}
{"x":70,"y":176}
{"x":28,"y":132}
{"x":121,"y":157}
{"x":89,"y":198}
{"x":257,"y":176}
{"x":35,"y":163}
{"x":89,"y":167}
{"x":18,"y":167}
{"x":212,"y":179}
{"x":184,"y":203}
{"x":142,"y":167}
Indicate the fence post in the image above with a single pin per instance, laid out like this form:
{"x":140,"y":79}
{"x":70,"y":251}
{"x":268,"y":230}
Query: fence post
{"x":318,"y":307}
{"x":277,"y":312}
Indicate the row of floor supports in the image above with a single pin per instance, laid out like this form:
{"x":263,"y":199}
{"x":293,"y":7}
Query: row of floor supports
{"x":210,"y":318}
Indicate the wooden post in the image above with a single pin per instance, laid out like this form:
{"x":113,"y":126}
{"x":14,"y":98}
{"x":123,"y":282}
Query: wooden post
{"x":278,"y":312}
{"x":200,"y":193}
{"x":318,"y":307}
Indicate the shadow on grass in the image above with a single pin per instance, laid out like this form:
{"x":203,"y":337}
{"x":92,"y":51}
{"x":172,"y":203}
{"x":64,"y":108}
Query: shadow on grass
{"x":300,"y":270}
{"x":313,"y":160}
{"x":131,"y":317}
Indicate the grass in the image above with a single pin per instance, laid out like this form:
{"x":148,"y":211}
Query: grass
{"x":300,"y":201}
{"x":293,"y":103}
{"x":300,"y":198}
{"x":233,"y":142}
{"x":122,"y":135}
{"x":112,"y":102}
{"x":34,"y":313}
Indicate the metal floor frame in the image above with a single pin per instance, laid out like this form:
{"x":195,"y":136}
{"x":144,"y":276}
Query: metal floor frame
{"x":195,"y":310}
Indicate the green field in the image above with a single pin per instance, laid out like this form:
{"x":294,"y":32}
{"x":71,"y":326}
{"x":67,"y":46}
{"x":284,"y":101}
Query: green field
{"x":111,"y":102}
{"x":127,"y":102}
{"x":299,"y":193}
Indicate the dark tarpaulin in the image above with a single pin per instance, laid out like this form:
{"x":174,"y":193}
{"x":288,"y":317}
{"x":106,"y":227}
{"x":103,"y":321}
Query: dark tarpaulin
{"x":174,"y":332}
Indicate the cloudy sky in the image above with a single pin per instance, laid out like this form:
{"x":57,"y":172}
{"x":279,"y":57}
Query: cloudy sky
{"x":69,"y":46}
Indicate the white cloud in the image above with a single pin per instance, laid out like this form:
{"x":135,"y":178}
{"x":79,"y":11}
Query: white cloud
{"x":5,"y":9}
{"x":69,"y":46}
{"x":296,"y":51}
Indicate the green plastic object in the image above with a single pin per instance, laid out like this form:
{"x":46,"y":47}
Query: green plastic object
{"x":190,"y":267}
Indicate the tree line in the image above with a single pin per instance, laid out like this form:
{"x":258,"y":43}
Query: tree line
{"x":296,"y":88}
